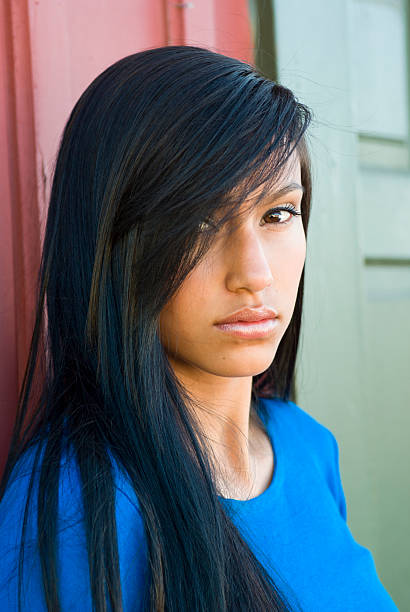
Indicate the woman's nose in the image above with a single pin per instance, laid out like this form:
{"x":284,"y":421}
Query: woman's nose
{"x":248,"y":262}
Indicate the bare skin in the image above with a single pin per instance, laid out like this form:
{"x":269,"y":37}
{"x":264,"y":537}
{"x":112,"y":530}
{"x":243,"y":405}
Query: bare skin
{"x":260,"y":264}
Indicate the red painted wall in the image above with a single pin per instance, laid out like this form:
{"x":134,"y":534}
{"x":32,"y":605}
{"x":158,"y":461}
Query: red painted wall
{"x":49,"y":52}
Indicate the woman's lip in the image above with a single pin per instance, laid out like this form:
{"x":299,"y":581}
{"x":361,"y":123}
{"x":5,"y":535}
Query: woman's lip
{"x":250,"y":329}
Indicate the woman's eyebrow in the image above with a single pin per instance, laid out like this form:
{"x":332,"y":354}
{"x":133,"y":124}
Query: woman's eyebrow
{"x":275,"y":195}
{"x":284,"y":190}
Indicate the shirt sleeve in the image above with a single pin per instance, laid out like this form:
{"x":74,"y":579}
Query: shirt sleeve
{"x":337,"y":485}
{"x":323,"y":447}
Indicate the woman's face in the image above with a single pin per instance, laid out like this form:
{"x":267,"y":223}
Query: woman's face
{"x":259,"y":263}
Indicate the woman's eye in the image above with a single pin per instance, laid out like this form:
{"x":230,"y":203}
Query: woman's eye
{"x":277,"y":217}
{"x":206,"y":224}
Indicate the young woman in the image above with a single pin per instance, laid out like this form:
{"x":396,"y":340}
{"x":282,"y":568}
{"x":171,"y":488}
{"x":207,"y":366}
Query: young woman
{"x":158,"y":461}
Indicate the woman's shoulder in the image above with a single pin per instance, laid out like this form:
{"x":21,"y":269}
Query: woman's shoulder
{"x":285,"y":411}
{"x":27,"y":470}
{"x":71,"y":535}
{"x":299,"y":429}
{"x":305,"y":440}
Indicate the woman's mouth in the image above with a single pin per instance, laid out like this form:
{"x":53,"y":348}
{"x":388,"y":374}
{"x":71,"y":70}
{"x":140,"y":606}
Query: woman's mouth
{"x":250,"y":329}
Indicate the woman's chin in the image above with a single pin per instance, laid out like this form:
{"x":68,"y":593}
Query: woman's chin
{"x":236,"y":368}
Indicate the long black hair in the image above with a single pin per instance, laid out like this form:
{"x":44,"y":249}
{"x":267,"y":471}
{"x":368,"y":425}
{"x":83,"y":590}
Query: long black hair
{"x":156,"y":144}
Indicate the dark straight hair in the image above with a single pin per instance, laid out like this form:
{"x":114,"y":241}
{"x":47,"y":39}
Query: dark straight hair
{"x":158,"y":143}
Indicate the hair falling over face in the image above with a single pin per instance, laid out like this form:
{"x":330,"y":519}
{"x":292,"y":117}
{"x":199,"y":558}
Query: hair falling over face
{"x":154,"y":146}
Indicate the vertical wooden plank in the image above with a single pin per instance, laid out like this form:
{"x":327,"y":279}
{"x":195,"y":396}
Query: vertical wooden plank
{"x":20,"y":243}
{"x":72,"y":42}
{"x":233,"y":29}
{"x":222,"y":26}
{"x":8,"y":354}
{"x":379,"y":96}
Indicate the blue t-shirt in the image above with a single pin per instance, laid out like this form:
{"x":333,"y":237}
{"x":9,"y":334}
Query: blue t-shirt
{"x":296,"y":527}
